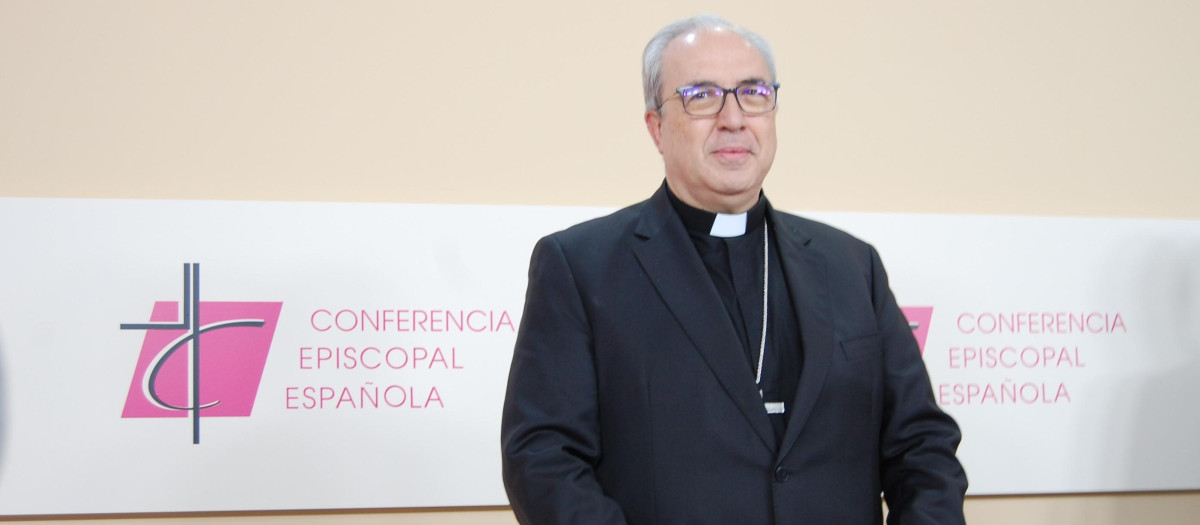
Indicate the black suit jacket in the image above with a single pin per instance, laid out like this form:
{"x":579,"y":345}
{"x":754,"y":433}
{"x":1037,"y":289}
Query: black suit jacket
{"x":630,"y":400}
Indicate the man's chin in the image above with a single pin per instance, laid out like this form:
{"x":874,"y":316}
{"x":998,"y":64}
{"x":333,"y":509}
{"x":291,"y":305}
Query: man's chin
{"x":736,"y":182}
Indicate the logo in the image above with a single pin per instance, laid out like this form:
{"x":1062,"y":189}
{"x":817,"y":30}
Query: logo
{"x":200,"y":358}
{"x":918,"y":319}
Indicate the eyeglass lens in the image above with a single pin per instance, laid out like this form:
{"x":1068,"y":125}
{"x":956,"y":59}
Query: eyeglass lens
{"x":707,"y":100}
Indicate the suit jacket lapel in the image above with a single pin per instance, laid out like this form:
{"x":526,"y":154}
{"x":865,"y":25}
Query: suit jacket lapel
{"x":669,"y":259}
{"x":809,"y":287}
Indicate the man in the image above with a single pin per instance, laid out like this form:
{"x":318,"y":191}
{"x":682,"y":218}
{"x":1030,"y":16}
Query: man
{"x":702,"y":358}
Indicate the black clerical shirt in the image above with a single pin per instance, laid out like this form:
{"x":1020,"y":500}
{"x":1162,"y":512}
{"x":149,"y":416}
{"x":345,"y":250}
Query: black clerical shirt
{"x":735,"y":264}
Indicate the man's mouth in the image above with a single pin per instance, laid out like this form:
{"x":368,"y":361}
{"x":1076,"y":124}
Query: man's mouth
{"x":732,"y":153}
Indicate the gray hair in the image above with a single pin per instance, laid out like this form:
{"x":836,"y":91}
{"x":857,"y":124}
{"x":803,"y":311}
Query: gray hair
{"x":652,"y":56}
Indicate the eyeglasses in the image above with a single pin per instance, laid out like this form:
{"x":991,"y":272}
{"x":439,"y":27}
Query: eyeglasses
{"x":706,"y":100}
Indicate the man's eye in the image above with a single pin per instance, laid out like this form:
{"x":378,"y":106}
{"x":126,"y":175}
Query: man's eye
{"x":705,"y":93}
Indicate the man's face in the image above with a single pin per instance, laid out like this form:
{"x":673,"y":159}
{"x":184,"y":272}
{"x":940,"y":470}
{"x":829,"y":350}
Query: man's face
{"x":713,"y":163}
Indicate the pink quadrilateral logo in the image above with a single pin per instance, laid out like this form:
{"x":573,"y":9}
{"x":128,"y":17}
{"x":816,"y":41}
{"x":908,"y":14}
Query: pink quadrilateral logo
{"x":919,"y":318}
{"x":200,"y":358}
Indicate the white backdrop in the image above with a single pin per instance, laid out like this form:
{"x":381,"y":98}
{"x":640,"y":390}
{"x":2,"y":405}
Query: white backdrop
{"x":1100,"y":403}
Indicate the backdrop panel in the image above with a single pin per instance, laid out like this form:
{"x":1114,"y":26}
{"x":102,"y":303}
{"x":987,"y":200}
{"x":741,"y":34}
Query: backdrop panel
{"x":355,"y":355}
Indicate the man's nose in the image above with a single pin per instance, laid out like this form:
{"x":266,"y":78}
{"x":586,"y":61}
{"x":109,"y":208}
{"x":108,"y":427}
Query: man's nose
{"x":731,"y":115}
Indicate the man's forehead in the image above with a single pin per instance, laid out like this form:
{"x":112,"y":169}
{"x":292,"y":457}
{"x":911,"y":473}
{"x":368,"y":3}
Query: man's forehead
{"x":710,"y":38}
{"x":713,"y":55}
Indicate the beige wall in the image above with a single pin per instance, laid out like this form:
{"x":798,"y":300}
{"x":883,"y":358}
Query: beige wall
{"x":1017,"y":107}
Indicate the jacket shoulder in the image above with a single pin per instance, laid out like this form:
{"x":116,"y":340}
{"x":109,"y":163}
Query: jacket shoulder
{"x":819,"y":234}
{"x":601,"y":230}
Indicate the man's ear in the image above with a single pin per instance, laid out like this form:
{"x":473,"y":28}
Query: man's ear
{"x":654,"y":126}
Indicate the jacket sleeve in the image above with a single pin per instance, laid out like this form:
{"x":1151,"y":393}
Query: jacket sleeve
{"x":922,"y":479}
{"x":550,"y":434}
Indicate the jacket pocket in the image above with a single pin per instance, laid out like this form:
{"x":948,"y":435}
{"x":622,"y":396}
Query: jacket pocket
{"x":863,"y":347}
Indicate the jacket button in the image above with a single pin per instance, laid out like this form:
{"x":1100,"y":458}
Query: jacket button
{"x":782,"y":475}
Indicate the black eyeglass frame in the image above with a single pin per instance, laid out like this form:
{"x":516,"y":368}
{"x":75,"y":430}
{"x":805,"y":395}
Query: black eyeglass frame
{"x":724,"y":95}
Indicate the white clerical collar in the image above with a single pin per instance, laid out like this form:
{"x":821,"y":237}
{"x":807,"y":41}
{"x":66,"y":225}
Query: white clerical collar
{"x":728,"y":225}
